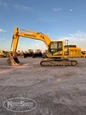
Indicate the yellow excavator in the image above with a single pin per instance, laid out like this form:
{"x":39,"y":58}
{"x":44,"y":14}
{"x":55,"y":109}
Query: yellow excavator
{"x":55,"y":54}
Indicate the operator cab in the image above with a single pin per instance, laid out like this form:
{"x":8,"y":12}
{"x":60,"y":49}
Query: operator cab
{"x":56,"y":46}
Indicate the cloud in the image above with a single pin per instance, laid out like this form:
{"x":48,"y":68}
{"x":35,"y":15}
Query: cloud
{"x":1,"y":30}
{"x":4,"y":4}
{"x":56,"y":9}
{"x":22,"y":7}
{"x":37,"y":45}
{"x":79,"y":39}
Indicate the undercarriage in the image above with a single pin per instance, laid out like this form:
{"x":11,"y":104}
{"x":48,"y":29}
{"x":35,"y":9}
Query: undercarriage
{"x":45,"y":62}
{"x":58,"y":62}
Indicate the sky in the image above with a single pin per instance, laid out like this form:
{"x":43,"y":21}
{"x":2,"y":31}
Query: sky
{"x":58,"y":19}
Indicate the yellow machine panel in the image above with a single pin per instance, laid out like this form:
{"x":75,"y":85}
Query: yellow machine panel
{"x":72,"y":51}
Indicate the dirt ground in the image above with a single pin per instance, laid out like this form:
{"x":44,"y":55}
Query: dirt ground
{"x":56,"y":90}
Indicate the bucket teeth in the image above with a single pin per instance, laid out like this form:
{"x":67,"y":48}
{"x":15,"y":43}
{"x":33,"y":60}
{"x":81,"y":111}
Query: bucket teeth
{"x":13,"y":61}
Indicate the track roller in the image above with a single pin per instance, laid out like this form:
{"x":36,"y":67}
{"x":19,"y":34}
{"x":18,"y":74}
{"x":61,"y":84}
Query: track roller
{"x":58,"y":62}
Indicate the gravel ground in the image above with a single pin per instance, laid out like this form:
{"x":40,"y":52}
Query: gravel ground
{"x":56,"y":90}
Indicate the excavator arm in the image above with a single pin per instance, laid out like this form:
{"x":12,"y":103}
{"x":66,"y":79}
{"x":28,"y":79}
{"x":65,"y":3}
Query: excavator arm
{"x":28,"y":34}
{"x":13,"y":60}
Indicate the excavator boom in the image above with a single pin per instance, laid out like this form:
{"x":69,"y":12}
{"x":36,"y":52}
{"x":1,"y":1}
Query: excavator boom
{"x":28,"y":34}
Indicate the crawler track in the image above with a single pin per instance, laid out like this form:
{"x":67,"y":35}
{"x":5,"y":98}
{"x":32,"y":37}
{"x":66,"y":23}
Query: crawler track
{"x":61,"y":62}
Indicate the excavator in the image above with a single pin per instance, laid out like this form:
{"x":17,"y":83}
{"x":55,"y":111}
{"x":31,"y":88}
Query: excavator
{"x":55,"y":54}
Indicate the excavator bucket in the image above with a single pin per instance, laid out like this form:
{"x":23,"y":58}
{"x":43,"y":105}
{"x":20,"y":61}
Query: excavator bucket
{"x":13,"y":61}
